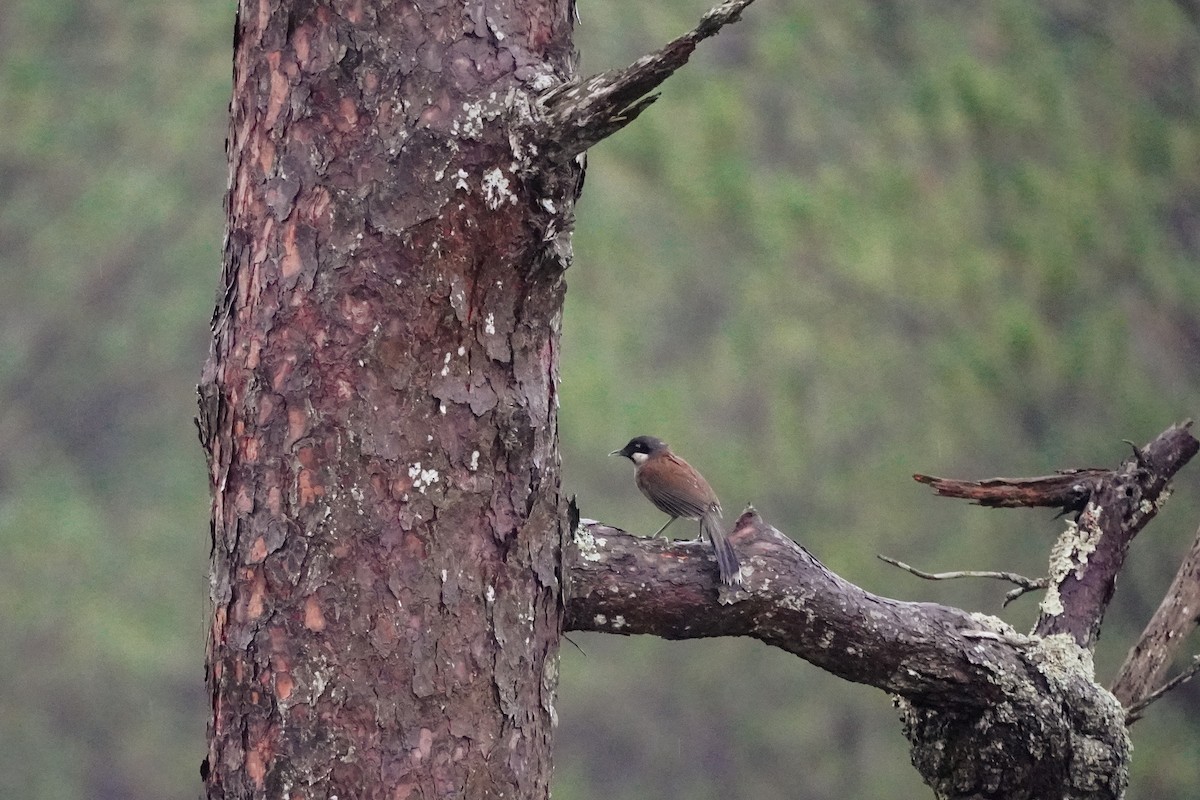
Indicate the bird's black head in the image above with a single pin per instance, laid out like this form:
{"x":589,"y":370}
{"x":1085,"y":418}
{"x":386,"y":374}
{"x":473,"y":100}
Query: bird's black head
{"x":640,"y":448}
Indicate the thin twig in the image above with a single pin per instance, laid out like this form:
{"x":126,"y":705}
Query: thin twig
{"x":1023,"y":584}
{"x":1135,"y":711}
{"x":1013,"y":594}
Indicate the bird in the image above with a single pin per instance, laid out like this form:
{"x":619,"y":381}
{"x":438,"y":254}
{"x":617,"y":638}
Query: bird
{"x":676,"y":488}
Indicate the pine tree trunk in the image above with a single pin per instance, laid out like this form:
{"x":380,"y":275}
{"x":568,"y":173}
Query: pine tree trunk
{"x":379,"y":405}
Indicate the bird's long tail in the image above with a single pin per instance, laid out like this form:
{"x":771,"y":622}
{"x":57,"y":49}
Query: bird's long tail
{"x":727,"y":560}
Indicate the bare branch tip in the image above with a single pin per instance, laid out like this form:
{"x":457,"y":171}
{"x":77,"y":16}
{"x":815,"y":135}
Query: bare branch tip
{"x":1012,"y":594}
{"x":1139,"y":455}
{"x":718,"y":17}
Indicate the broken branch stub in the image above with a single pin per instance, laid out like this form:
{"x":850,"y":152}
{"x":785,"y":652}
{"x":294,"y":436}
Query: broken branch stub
{"x":580,"y":113}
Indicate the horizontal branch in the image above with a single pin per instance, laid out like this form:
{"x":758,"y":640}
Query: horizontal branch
{"x":927,"y":652}
{"x":580,"y":113}
{"x":971,"y":691}
{"x":932,"y":654}
{"x":1068,"y":489}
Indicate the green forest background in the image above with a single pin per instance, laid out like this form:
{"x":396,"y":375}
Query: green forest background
{"x":851,"y":242}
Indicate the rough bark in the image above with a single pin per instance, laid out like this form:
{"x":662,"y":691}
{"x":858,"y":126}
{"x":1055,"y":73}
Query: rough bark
{"x":1090,"y":553}
{"x":1177,"y":616}
{"x":379,"y":404}
{"x":579,"y":114}
{"x":989,"y":712}
{"x":378,"y":410}
{"x":626,"y":584}
{"x":1112,"y":505}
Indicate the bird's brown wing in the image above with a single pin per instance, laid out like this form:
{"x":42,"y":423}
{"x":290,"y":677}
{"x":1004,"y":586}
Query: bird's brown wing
{"x":670,"y":497}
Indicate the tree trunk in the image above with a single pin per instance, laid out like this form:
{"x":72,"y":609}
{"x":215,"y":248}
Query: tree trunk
{"x":379,"y":413}
{"x":379,"y":405}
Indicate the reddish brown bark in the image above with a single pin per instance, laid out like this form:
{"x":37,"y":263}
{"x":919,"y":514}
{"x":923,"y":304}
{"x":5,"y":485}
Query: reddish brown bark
{"x":379,"y":414}
{"x":1068,"y":490}
{"x":379,"y":405}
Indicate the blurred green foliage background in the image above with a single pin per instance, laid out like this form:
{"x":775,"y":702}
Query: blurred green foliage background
{"x":848,"y":244}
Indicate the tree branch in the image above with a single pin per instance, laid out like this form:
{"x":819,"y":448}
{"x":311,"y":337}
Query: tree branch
{"x":1112,"y":505}
{"x":626,"y":584}
{"x":1176,"y":617}
{"x":580,"y":113}
{"x":1089,"y":554}
{"x":1067,"y":489}
{"x":971,"y":691}
{"x":1137,"y":709}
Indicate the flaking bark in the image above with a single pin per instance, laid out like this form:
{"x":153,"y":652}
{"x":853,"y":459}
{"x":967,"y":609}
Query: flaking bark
{"x":378,"y":410}
{"x":1090,"y":554}
{"x":379,"y":406}
{"x":577,"y":115}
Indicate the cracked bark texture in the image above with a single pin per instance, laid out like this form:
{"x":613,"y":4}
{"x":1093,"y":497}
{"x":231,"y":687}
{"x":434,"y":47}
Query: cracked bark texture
{"x":989,"y":713}
{"x":379,"y":405}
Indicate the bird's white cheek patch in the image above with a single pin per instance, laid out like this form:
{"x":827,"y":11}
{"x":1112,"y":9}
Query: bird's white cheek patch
{"x":639,"y":458}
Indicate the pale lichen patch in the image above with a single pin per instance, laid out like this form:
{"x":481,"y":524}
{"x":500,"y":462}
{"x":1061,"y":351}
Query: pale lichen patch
{"x":1070,"y":554}
{"x":470,"y":125}
{"x":588,"y":545}
{"x":1058,"y":657}
{"x":997,"y":626}
{"x":542,"y":81}
{"x":496,"y":188}
{"x":423,"y":478}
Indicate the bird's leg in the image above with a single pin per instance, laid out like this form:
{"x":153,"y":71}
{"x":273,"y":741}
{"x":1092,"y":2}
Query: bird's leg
{"x":700,"y":537}
{"x":663,"y":528}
